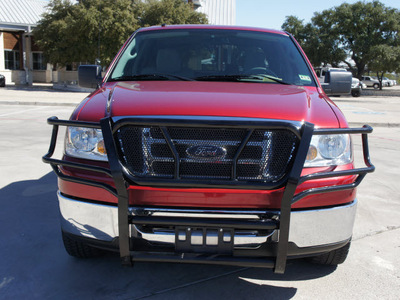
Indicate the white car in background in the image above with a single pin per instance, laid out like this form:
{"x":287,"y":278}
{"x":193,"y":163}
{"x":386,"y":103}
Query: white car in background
{"x":389,"y":82}
{"x":356,"y":87}
{"x":386,"y":82}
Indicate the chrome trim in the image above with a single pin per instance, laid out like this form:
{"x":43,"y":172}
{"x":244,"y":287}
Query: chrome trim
{"x":204,"y":215}
{"x":88,"y":219}
{"x":205,"y":151}
{"x":196,"y":238}
{"x":226,"y":237}
{"x":212,"y":238}
{"x":198,"y":213}
{"x":182,"y":236}
{"x":322,"y":226}
{"x":189,"y":141}
{"x":307,"y":227}
{"x":242,"y":239}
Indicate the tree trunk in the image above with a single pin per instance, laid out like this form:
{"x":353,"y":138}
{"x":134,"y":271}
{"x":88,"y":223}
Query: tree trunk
{"x":380,"y":78}
{"x":360,"y":65}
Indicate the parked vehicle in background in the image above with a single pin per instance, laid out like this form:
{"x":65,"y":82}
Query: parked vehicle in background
{"x":208,"y":144}
{"x":2,"y":80}
{"x":363,"y":85}
{"x":388,"y":82}
{"x":335,"y":81}
{"x":356,"y":87}
{"x":371,"y":81}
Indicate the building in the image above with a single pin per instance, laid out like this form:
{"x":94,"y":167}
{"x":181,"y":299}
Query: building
{"x":219,"y":12}
{"x":21,"y":61}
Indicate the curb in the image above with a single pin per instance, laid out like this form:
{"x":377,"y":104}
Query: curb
{"x":71,"y":88}
{"x":372,"y":124}
{"x":38,"y":103}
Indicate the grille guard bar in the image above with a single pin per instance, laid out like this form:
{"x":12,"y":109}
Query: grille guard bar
{"x":120,"y":176}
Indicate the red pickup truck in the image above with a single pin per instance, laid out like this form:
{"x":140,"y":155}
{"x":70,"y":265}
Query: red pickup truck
{"x":208,"y":144}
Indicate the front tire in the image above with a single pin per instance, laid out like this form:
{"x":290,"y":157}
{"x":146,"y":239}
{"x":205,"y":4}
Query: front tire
{"x":376,"y":86}
{"x":332,"y":258}
{"x":78,"y":248}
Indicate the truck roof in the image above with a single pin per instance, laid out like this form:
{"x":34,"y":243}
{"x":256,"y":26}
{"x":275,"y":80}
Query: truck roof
{"x":202,"y":26}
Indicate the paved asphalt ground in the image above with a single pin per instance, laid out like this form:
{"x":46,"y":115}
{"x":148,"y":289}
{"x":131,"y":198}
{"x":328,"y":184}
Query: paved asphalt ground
{"x":34,"y":265}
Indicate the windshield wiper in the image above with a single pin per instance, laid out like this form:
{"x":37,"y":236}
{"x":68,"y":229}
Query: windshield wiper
{"x":242,"y":77}
{"x":152,"y":76}
{"x":263,"y":77}
{"x":220,"y":77}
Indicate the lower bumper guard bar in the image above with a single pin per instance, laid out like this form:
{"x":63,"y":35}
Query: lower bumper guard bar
{"x":241,"y":239}
{"x":304,"y":132}
{"x":206,"y":259}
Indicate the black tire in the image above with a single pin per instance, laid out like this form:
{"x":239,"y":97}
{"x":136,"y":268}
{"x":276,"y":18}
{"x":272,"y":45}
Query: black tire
{"x":78,"y":248}
{"x":356,"y":93}
{"x":376,"y":85}
{"x":333,"y":258}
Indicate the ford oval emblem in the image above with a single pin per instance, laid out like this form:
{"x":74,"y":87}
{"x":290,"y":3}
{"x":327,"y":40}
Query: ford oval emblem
{"x":206,"y":152}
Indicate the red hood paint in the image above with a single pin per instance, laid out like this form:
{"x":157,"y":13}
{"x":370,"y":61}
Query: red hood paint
{"x":199,"y":98}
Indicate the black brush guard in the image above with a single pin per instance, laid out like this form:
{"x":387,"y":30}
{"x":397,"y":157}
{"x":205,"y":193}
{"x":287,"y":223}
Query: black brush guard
{"x":122,"y":179}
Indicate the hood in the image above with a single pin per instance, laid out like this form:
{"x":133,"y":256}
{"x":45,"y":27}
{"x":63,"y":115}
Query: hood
{"x":232,"y":99}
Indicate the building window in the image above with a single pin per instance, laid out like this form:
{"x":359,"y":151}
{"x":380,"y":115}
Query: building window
{"x":38,"y":63}
{"x":11,"y":59}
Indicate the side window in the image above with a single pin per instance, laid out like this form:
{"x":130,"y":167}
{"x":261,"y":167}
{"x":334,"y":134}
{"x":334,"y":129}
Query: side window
{"x":127,"y":61}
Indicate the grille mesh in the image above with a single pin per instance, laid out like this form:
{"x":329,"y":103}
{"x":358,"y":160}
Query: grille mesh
{"x":266,"y":156}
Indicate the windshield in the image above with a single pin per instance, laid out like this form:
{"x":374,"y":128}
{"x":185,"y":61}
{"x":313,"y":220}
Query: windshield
{"x":212,"y":55}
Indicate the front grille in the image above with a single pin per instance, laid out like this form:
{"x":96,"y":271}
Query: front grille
{"x":206,"y":153}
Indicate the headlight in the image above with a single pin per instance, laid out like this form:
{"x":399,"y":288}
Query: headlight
{"x":329,"y":150}
{"x":86,"y":143}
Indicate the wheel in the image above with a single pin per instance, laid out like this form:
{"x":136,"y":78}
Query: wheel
{"x":376,"y":85}
{"x":356,"y":93}
{"x":334,"y":257}
{"x":78,"y":248}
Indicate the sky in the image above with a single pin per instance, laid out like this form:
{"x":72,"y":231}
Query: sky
{"x":272,"y":13}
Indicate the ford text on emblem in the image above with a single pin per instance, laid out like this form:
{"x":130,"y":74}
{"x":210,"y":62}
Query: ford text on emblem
{"x":206,"y":152}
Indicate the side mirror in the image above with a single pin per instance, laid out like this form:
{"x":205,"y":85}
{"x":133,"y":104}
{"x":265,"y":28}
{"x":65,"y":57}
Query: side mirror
{"x":89,"y":76}
{"x":337,"y":83}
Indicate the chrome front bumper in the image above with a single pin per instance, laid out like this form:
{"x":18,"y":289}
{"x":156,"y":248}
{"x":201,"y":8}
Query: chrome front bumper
{"x":308,"y":228}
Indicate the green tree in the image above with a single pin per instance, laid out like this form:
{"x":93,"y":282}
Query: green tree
{"x":349,"y":33}
{"x":96,"y":29}
{"x":50,"y":33}
{"x":86,"y":31}
{"x":156,"y":12}
{"x":321,"y":48}
{"x":384,"y":59}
